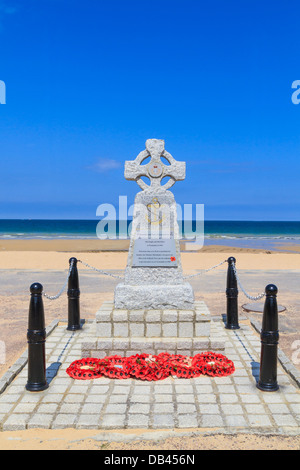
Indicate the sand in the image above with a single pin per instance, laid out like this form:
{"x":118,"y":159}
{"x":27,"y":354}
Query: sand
{"x":54,"y":254}
{"x":70,"y":439}
{"x":45,"y":256}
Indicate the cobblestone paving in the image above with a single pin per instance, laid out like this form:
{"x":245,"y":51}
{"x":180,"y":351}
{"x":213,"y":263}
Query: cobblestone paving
{"x":219,"y":404}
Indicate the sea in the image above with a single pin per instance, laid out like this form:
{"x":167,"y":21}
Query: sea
{"x":244,"y":234}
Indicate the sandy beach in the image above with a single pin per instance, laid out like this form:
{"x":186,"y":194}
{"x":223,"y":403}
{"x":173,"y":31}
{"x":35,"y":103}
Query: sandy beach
{"x":25,"y":261}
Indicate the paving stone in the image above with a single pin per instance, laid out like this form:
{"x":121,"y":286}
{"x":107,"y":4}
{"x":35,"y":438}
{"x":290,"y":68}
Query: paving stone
{"x":232,"y":409}
{"x":184,"y":389}
{"x":249,"y":398}
{"x":16,"y":422}
{"x":224,"y":388}
{"x":187,"y":421}
{"x":204,"y":388}
{"x":153,"y":330}
{"x":88,"y":421}
{"x":47,"y":408}
{"x":153,"y":316}
{"x":211,"y":421}
{"x":163,"y":421}
{"x":136,"y":329}
{"x":229,"y":398}
{"x":113,"y":421}
{"x":24,"y":407}
{"x":63,"y":421}
{"x":138,"y":420}
{"x":185,"y":398}
{"x":52,"y":398}
{"x":186,"y":408}
{"x":284,"y":420}
{"x":163,"y":408}
{"x":118,"y":399}
{"x":121,"y":330}
{"x":40,"y":421}
{"x":259,"y":420}
{"x":70,"y":408}
{"x":207,"y":398}
{"x":169,"y":329}
{"x":209,"y":409}
{"x":255,"y":409}
{"x":140,"y":408}
{"x":235,"y":421}
{"x":116,"y":408}
{"x":140,"y":398}
{"x":89,"y":398}
{"x":163,"y":398}
{"x":6,"y":407}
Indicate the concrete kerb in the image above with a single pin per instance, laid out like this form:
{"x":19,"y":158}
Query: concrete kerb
{"x":160,"y":435}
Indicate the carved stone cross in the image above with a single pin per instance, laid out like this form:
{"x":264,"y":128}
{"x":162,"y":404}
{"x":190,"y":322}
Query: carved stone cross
{"x":155,"y":170}
{"x":153,"y":275}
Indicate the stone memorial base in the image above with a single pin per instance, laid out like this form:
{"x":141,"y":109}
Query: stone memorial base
{"x":179,"y":296}
{"x":127,"y":332}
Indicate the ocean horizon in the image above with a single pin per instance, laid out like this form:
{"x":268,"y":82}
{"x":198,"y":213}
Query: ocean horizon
{"x":241,"y":233}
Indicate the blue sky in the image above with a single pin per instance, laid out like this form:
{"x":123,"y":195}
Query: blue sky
{"x":88,"y":82}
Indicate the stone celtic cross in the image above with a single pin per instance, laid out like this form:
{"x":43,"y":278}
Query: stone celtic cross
{"x":155,"y":170}
{"x":153,"y":275}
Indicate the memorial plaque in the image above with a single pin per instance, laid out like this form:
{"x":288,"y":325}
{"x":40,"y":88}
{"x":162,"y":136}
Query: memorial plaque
{"x":154,"y":253}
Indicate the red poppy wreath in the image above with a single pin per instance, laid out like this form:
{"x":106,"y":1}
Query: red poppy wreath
{"x":85,"y":369}
{"x":152,"y":367}
{"x":147,"y":367}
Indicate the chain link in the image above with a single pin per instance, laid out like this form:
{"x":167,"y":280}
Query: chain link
{"x":54,"y":297}
{"x":254,"y":298}
{"x":100,"y":270}
{"x":205,"y":270}
{"x":257,"y":297}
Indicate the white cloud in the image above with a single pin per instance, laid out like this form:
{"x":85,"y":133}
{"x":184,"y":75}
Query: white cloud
{"x":105,"y":164}
{"x":5,"y":10}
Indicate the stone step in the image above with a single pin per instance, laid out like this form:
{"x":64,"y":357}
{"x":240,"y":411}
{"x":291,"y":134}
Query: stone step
{"x":122,"y":323}
{"x":136,"y":345}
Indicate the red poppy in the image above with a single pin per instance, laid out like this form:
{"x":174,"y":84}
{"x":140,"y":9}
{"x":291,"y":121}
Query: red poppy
{"x":152,"y":367}
{"x":115,"y":367}
{"x":173,"y":258}
{"x":85,"y":369}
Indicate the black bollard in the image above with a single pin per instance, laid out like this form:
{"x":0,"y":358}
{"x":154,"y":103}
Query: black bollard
{"x":269,"y":342}
{"x":73,"y":298}
{"x":232,"y":322}
{"x":36,"y":338}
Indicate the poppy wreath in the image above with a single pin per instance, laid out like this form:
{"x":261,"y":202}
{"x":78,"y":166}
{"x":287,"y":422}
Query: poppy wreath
{"x":147,"y":367}
{"x":115,"y":367}
{"x":212,"y":364}
{"x":152,"y":367}
{"x":85,"y":369}
{"x":179,"y":365}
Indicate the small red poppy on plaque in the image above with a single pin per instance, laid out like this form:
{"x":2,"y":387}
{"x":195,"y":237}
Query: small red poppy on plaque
{"x":173,"y":258}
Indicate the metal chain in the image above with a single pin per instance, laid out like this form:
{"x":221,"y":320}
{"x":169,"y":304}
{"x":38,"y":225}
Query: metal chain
{"x":254,"y":298}
{"x":100,"y":270}
{"x":257,"y":297}
{"x":205,"y":270}
{"x":54,"y":297}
